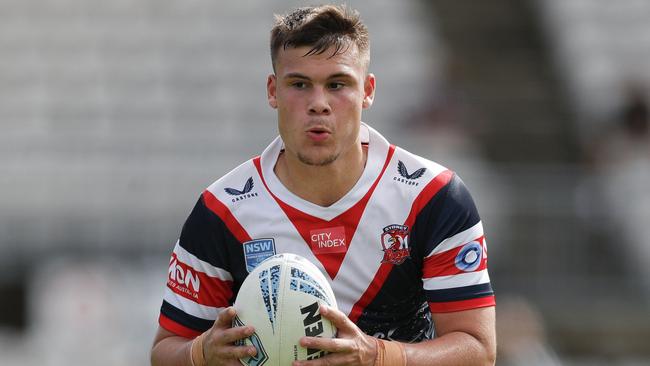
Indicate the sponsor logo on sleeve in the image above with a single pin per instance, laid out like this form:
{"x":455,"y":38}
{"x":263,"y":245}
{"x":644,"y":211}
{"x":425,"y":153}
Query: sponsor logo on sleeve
{"x":256,"y":251}
{"x":469,"y":257}
{"x":182,"y":278}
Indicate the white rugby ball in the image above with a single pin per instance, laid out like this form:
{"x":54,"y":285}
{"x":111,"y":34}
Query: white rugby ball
{"x":280,"y":298}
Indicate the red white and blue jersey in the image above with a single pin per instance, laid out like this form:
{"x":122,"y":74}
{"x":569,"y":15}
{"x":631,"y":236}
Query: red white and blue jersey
{"x":406,"y":241}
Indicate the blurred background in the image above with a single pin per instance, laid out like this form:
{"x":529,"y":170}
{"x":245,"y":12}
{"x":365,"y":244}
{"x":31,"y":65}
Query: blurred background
{"x":115,"y":115}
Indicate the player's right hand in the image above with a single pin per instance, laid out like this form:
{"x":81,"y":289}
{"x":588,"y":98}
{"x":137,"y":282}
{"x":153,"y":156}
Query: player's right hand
{"x":219,"y":347}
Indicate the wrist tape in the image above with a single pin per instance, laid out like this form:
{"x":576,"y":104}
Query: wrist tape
{"x":390,"y":353}
{"x":196,"y":351}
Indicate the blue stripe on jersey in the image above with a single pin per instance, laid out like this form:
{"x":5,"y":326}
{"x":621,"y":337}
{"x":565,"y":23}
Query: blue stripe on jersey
{"x":449,"y":212}
{"x":186,"y":320}
{"x":205,"y":236}
{"x":460,"y":293}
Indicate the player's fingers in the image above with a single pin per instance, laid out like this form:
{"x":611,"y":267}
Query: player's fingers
{"x":337,"y":317}
{"x":332,"y":345}
{"x":237,"y":352}
{"x":231,"y":335}
{"x":224,"y":320}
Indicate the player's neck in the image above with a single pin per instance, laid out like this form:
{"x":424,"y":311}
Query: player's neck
{"x":321,"y":185}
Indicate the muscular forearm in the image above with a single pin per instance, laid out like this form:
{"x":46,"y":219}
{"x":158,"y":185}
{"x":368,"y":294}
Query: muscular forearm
{"x":171,"y":351}
{"x":455,"y":348}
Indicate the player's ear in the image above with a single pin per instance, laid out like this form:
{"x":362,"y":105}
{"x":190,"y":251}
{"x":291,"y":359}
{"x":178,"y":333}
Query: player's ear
{"x":271,"y":83}
{"x":368,"y":91}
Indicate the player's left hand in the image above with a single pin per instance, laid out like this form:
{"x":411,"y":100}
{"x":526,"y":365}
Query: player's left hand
{"x":352,"y":347}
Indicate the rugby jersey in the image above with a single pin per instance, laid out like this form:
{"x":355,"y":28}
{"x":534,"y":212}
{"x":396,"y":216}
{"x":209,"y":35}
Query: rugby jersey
{"x":404,"y":242}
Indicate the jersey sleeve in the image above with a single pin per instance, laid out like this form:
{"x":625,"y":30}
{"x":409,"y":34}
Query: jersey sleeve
{"x":454,"y":270}
{"x":199,"y":284}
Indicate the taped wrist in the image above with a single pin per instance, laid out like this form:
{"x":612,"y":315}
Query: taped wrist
{"x":390,"y":353}
{"x":196,"y":351}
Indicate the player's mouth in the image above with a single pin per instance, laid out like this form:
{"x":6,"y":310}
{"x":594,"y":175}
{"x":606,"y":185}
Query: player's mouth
{"x":318,"y":134}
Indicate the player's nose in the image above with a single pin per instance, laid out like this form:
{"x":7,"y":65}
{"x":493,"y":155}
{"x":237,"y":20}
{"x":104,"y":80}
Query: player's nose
{"x":318,"y":103}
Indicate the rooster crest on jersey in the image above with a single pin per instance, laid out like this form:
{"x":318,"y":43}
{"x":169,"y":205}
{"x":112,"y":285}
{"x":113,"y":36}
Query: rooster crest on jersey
{"x":394,"y":241}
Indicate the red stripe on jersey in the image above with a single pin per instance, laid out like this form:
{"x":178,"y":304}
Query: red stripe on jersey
{"x":197,"y":286}
{"x":224,"y":214}
{"x":427,"y":194}
{"x":450,"y":306}
{"x":349,"y":219}
{"x":177,"y":328}
{"x":444,"y":264}
{"x":371,"y":291}
{"x":420,"y":202}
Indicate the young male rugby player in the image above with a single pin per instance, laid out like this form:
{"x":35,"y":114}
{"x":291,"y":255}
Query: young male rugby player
{"x":404,"y":249}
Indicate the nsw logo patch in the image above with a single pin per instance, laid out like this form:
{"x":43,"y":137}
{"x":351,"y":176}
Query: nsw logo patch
{"x":256,"y":251}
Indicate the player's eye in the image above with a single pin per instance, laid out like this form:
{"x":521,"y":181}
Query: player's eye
{"x":299,"y":84}
{"x":336,"y":85}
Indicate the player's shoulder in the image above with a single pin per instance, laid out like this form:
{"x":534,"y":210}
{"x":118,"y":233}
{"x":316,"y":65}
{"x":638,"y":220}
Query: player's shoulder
{"x":413,"y":169}
{"x":419,"y":178}
{"x":434,"y":184}
{"x":238,"y":183}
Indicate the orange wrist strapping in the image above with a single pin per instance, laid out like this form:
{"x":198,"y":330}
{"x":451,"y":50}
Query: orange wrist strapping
{"x":390,"y":354}
{"x":196,"y":351}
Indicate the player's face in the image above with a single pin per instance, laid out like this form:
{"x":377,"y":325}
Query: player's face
{"x":319,"y":99}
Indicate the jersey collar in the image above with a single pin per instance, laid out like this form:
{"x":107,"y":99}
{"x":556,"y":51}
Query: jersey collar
{"x":378,"y":148}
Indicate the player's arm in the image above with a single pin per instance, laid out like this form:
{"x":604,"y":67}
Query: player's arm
{"x":199,"y":308}
{"x":216,"y":345}
{"x":456,"y":282}
{"x":170,"y":349}
{"x":464,"y":338}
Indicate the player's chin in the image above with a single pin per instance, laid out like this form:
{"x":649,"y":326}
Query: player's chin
{"x":317,"y":158}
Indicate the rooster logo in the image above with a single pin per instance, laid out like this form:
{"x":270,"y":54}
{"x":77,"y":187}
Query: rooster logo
{"x":247,"y":188}
{"x":401,"y":168}
{"x":394,"y":242}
